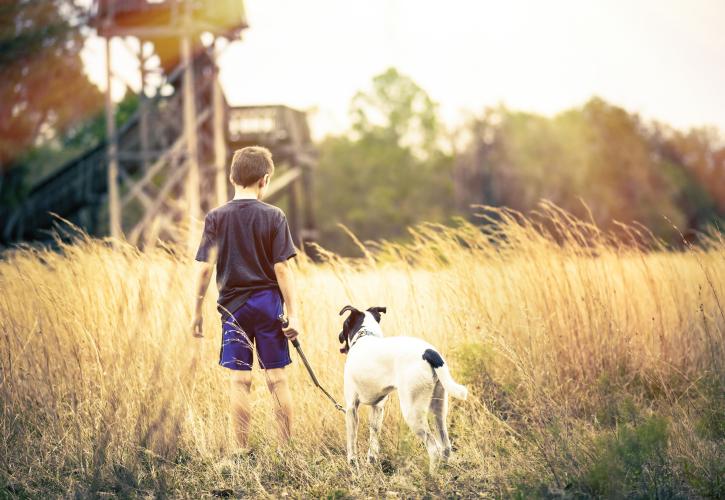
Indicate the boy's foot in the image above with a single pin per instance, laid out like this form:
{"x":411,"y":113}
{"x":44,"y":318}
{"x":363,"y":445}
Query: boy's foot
{"x":225,"y":466}
{"x":235,"y":459}
{"x":242,"y":455}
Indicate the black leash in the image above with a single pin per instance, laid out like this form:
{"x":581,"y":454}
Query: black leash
{"x":296,"y":344}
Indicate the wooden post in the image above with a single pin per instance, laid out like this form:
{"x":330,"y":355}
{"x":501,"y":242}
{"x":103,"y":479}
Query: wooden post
{"x":114,"y":208}
{"x":192,"y":179}
{"x":143,"y":128}
{"x":307,"y":202}
{"x":294,"y":213}
{"x":220,"y":139}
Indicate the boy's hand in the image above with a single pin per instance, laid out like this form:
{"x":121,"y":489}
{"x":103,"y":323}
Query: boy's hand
{"x":291,"y":331}
{"x":196,"y":327}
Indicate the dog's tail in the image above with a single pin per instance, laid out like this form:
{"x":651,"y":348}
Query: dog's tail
{"x":444,"y":375}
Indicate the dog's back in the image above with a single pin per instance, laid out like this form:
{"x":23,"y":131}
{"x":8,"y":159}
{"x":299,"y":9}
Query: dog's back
{"x":379,"y":365}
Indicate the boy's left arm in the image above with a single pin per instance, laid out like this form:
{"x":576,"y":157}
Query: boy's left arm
{"x":203,"y":276}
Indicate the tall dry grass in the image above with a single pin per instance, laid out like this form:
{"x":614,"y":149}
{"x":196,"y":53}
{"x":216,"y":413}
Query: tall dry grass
{"x":595,"y":365}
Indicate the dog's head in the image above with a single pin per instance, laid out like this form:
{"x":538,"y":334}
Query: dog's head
{"x":354,"y":322}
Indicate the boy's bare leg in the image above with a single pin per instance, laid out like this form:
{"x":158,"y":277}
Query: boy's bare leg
{"x":281,"y":400}
{"x":239,"y":389}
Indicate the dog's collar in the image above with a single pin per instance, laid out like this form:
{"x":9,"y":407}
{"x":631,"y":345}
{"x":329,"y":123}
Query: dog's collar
{"x":362,"y":332}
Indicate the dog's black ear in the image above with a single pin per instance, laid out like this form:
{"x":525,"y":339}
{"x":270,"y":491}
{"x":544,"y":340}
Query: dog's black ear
{"x":375,"y":311}
{"x":342,"y":337}
{"x":347,"y":308}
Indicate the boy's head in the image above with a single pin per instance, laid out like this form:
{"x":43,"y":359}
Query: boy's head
{"x":252,"y":167}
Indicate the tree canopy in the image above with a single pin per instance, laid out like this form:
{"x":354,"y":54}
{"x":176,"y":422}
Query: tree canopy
{"x":44,"y":91}
{"x":596,"y":160}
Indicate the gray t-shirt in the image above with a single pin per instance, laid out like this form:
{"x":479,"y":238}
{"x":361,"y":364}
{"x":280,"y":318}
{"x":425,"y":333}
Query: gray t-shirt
{"x":250,"y":237}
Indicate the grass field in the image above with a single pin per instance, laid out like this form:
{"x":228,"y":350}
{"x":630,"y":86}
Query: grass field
{"x":595,"y":368}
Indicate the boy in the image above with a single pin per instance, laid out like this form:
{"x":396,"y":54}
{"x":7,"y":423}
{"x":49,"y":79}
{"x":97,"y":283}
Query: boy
{"x":252,"y":243}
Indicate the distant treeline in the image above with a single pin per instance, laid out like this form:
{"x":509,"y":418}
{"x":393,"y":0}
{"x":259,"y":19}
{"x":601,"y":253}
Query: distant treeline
{"x":395,"y":167}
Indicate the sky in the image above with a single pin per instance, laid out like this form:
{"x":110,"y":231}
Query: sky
{"x":663,"y":59}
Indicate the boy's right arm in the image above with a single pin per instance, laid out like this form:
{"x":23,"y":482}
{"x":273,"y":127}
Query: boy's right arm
{"x":286,"y":281}
{"x":203,"y":276}
{"x":205,"y":256}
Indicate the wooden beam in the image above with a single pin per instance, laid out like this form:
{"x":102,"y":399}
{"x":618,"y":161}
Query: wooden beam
{"x":140,"y":194}
{"x":192,"y":179}
{"x":308,"y":209}
{"x":172,"y":30}
{"x":143,"y":125}
{"x":283,"y":182}
{"x":220,"y":139}
{"x":163,"y":160}
{"x":176,"y":176}
{"x":293,"y":196}
{"x":114,"y":207}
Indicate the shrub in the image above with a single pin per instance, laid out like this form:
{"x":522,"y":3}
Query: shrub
{"x":631,"y":462}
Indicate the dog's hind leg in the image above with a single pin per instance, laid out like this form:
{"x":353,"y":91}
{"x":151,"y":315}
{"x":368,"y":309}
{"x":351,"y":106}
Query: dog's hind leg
{"x":415,"y":411}
{"x":439,"y":407}
{"x":376,"y":422}
{"x":351,"y":423}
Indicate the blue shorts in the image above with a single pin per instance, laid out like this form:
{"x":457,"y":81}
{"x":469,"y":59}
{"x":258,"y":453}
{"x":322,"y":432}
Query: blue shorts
{"x":259,"y":320}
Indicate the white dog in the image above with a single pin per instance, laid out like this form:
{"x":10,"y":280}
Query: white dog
{"x":376,"y":366}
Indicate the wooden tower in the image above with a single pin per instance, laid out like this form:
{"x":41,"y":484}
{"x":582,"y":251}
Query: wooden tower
{"x":167,"y":164}
{"x":181,"y":152}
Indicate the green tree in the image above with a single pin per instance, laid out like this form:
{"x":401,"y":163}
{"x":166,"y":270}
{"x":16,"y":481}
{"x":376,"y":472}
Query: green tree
{"x":621,"y":167}
{"x":44,"y":92}
{"x":389,"y":172}
{"x":398,"y":111}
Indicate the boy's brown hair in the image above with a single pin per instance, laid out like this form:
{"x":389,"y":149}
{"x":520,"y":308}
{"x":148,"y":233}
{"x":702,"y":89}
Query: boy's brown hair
{"x":250,"y":164}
